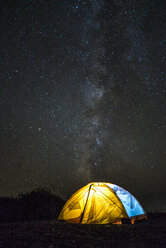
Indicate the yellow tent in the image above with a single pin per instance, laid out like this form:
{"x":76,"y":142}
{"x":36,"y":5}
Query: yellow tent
{"x":101,"y":203}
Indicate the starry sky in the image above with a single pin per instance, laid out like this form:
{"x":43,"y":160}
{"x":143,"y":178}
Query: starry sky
{"x":83,"y":95}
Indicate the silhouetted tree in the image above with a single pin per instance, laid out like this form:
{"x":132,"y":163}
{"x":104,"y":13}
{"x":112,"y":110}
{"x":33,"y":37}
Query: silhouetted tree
{"x":38,"y":204}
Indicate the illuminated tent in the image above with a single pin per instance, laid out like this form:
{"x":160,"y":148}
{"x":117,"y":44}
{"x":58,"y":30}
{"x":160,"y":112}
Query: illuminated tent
{"x":101,"y":203}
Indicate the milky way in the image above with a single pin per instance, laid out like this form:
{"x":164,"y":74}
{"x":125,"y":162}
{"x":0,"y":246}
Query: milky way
{"x":83,"y":95}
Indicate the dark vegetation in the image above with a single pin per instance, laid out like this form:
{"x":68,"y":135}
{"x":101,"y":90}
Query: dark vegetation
{"x":59,"y":234}
{"x":39,"y":204}
{"x":30,"y":221}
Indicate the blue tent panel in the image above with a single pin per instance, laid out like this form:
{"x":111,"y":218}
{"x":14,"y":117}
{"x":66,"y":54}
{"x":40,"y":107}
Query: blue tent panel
{"x":132,"y":206}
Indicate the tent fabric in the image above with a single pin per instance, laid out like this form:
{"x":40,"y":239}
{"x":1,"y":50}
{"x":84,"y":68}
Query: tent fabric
{"x":101,"y":203}
{"x":131,"y":205}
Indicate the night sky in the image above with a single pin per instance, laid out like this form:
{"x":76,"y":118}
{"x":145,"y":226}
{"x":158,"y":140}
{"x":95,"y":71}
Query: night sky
{"x":83,"y":96}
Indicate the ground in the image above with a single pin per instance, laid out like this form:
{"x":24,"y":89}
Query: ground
{"x":55,"y":234}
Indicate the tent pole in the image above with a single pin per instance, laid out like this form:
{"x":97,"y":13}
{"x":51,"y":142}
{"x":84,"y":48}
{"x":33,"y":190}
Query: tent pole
{"x":85,"y":204}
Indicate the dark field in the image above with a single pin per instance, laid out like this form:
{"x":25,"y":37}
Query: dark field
{"x":51,"y":234}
